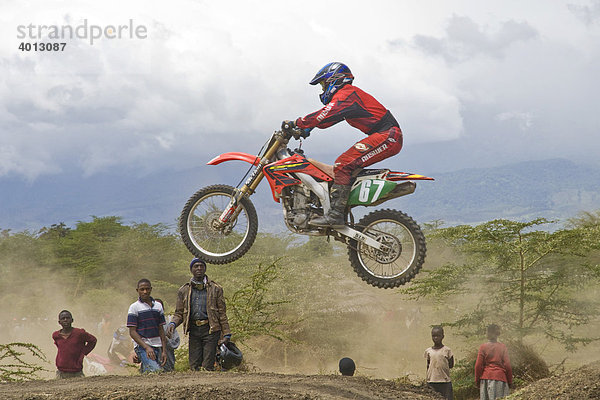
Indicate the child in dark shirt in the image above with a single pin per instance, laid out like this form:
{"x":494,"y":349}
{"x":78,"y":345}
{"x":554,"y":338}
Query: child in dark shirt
{"x":73,"y":344}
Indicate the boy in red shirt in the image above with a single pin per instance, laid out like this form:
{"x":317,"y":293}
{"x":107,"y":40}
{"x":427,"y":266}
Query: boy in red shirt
{"x":493,"y":373}
{"x":73,"y":344}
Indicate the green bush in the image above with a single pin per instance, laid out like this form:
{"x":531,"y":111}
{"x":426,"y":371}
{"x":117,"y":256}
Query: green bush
{"x":13,"y":363}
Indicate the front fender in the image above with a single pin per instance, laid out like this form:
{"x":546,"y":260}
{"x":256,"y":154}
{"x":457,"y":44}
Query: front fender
{"x":234,"y":155}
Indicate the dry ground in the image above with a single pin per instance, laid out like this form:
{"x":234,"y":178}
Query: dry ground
{"x":579,"y":384}
{"x":216,"y":386}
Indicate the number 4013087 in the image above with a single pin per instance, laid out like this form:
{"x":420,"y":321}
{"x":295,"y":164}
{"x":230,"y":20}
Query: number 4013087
{"x":42,"y":46}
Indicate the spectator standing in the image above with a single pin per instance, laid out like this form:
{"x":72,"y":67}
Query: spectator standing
{"x":439,"y":362}
{"x":173,"y":341}
{"x":73,"y":344}
{"x":493,"y":373}
{"x":145,"y":320}
{"x":201,"y":308}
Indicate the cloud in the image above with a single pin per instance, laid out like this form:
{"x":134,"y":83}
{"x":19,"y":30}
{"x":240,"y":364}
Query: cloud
{"x":589,"y":14}
{"x":524,"y":120}
{"x":518,"y":86}
{"x":465,"y":39}
{"x":213,"y":77}
{"x":202,"y":82}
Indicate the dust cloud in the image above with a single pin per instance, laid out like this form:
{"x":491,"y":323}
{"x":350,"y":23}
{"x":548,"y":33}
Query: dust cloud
{"x":36,"y":298}
{"x":341,"y":316}
{"x":338,"y":316}
{"x":23,"y":325}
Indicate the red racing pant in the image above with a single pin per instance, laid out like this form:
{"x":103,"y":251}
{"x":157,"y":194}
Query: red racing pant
{"x":374,"y":148}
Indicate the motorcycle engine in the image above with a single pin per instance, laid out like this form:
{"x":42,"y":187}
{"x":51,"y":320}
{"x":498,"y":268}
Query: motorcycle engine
{"x":299,"y":211}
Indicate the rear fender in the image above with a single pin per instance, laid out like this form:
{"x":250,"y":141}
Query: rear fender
{"x":235,"y":156}
{"x":406,"y":176}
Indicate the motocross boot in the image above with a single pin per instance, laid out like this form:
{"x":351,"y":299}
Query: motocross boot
{"x":335,"y":217}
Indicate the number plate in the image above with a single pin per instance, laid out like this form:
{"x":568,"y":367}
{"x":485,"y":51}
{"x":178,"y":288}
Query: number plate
{"x":368,"y":191}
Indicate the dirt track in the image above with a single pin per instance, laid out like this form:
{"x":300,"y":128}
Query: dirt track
{"x":579,"y":384}
{"x":216,"y":386}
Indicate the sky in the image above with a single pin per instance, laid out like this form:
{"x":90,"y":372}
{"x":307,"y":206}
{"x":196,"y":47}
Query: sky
{"x":472,"y":83}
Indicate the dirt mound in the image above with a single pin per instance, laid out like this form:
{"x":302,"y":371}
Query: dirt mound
{"x":216,"y":386}
{"x":579,"y":384}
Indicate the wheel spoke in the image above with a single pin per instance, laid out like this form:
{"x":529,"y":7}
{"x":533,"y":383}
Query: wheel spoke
{"x":206,"y":236}
{"x":203,"y":232}
{"x":397,"y":259}
{"x":402,"y":252}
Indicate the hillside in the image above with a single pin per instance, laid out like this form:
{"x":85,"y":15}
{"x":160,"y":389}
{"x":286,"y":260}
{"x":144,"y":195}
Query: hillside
{"x":578,"y":384}
{"x":551,"y":188}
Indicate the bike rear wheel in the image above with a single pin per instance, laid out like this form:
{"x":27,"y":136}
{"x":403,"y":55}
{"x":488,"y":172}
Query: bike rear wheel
{"x":205,"y":238}
{"x":404,"y":251}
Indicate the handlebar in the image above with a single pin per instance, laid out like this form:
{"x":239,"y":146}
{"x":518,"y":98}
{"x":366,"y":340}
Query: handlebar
{"x":290,"y":130}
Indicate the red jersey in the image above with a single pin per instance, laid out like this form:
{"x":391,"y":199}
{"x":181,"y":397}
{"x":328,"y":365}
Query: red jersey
{"x":72,"y":349}
{"x":357,"y":107}
{"x":493,"y":363}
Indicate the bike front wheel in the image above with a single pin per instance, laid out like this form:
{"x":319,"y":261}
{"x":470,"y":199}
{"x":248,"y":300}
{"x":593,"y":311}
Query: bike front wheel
{"x":209,"y":240}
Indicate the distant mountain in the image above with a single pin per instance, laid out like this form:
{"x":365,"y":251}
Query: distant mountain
{"x":555,"y":189}
{"x":551,"y":188}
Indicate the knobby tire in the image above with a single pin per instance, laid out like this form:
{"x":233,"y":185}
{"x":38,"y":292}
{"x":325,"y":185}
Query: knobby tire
{"x":197,"y":234}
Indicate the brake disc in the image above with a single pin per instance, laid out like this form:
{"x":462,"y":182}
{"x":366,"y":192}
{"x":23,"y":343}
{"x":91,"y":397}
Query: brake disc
{"x":389,"y":252}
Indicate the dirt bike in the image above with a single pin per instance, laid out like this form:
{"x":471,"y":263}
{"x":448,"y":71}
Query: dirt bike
{"x":386,"y":247}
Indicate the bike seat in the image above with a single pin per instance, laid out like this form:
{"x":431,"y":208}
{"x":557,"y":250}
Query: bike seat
{"x":325,"y":168}
{"x":367,"y":172}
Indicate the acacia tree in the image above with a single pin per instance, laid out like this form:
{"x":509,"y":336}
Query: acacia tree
{"x":252,"y":312}
{"x":528,"y":279}
{"x":79,"y":251}
{"x":13,"y":363}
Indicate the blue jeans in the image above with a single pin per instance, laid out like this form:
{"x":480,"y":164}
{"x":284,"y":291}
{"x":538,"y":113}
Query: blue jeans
{"x":149,"y":365}
{"x":170,"y":364}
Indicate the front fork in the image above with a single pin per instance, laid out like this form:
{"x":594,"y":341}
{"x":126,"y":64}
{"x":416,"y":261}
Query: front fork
{"x":233,"y":209}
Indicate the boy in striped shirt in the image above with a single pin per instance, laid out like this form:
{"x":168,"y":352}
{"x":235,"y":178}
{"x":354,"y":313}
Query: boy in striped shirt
{"x":145,"y":320}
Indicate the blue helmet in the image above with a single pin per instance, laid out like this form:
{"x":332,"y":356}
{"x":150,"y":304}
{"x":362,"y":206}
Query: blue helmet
{"x":332,"y":77}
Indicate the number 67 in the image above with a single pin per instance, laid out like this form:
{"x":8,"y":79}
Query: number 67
{"x":365,"y":190}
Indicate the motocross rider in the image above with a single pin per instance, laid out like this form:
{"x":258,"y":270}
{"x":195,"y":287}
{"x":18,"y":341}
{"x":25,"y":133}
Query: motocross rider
{"x":342,"y":101}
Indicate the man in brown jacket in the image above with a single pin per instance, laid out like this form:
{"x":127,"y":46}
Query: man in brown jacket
{"x":201,"y":309}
